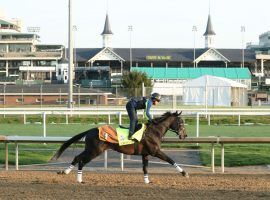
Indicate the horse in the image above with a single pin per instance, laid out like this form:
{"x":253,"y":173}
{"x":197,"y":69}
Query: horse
{"x":149,"y":145}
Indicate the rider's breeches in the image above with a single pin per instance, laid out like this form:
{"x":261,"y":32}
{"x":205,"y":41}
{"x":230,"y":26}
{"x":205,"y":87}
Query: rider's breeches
{"x":132,"y":114}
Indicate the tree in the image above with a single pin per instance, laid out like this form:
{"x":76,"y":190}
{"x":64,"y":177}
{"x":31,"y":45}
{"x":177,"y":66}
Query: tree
{"x":133,"y":82}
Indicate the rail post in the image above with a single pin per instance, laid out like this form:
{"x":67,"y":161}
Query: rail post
{"x":222,"y":157}
{"x":44,"y":124}
{"x":17,"y":156}
{"x":197,"y":124}
{"x":239,"y":120}
{"x":121,"y":155}
{"x":6,"y":159}
{"x":122,"y":161}
{"x":120,"y":118}
{"x":106,"y":160}
{"x":213,"y":158}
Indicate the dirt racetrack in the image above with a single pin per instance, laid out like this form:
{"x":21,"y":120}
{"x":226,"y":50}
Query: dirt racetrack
{"x":105,"y":185}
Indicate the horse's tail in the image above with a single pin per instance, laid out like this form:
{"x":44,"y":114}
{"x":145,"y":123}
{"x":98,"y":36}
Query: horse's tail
{"x":67,"y":143}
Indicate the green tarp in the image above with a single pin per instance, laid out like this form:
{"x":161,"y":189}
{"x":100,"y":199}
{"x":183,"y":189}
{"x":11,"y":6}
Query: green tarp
{"x":191,"y":73}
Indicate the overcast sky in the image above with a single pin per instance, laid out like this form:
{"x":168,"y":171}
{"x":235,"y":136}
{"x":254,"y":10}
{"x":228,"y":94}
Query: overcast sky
{"x":156,"y":23}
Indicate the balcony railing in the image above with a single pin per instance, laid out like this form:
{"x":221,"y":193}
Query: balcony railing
{"x":30,"y":54}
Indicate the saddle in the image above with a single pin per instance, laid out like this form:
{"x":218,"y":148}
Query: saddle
{"x":120,"y":134}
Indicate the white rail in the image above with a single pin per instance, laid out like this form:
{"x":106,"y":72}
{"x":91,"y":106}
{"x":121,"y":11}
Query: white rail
{"x":239,"y":114}
{"x":122,"y":108}
{"x":109,"y":113}
{"x":212,"y":140}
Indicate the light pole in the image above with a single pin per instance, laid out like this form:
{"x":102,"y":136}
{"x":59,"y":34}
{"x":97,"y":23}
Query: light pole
{"x":70,"y":48}
{"x":130,"y":29}
{"x":41,"y":96}
{"x":79,"y":94}
{"x":243,"y":30}
{"x":75,"y":28}
{"x":194,"y":29}
{"x":79,"y":100}
{"x":4,"y":97}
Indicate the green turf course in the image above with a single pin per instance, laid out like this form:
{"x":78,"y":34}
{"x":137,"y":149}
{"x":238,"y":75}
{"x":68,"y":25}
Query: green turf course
{"x":37,"y":153}
{"x":235,"y":154}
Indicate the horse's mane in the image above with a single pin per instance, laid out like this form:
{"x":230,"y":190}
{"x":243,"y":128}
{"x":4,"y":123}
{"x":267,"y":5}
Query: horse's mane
{"x":162,"y":117}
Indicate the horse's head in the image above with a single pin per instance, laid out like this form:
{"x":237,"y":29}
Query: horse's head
{"x":178,"y":125}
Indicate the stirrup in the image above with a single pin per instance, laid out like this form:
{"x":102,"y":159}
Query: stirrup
{"x":130,"y":136}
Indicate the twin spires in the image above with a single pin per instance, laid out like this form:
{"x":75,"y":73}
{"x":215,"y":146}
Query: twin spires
{"x":209,"y":27}
{"x":107,"y":33}
{"x":209,"y":34}
{"x":107,"y":26}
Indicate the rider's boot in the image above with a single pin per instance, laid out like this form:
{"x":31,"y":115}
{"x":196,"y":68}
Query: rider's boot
{"x":130,"y":136}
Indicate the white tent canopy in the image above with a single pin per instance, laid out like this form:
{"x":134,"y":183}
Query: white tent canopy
{"x":168,"y":89}
{"x":214,"y":91}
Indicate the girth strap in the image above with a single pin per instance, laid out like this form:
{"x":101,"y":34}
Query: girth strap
{"x":136,"y":148}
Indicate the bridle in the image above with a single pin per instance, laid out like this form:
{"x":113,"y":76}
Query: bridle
{"x":178,"y":127}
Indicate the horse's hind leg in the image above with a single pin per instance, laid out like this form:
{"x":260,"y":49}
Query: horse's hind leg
{"x":84,"y":158}
{"x":72,"y":164}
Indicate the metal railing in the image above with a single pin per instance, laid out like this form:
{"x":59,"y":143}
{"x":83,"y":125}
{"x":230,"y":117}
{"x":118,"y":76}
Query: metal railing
{"x":106,"y":111}
{"x":239,"y":114}
{"x":211,"y":140}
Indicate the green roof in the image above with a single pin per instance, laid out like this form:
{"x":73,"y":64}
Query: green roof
{"x":190,"y":73}
{"x":5,"y":22}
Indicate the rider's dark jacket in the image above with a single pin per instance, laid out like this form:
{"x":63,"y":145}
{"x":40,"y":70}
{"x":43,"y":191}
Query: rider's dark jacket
{"x":143,"y":103}
{"x":137,"y":104}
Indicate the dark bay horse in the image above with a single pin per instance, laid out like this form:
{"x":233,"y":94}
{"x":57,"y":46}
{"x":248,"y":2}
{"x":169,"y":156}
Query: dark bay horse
{"x":149,"y":145}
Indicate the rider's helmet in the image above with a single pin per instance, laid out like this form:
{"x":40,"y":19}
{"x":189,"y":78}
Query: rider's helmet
{"x":156,"y":96}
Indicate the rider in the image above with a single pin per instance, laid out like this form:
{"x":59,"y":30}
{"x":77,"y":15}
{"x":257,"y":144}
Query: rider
{"x":136,"y":104}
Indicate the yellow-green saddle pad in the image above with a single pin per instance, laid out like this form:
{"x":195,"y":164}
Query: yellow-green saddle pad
{"x":122,"y":135}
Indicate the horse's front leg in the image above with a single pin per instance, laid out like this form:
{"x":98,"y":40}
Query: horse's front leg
{"x":163,"y":156}
{"x":145,"y":166}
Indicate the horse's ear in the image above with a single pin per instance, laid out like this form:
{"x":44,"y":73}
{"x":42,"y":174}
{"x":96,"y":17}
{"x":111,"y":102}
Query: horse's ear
{"x":180,"y":113}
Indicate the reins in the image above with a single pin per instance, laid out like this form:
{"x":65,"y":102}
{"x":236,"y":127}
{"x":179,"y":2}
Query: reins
{"x":175,"y":131}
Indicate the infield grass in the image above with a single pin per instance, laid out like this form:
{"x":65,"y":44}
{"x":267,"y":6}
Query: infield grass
{"x":235,"y":154}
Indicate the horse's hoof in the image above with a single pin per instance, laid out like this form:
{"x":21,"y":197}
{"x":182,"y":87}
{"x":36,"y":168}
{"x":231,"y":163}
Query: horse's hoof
{"x":185,"y":174}
{"x":80,"y":182}
{"x":146,"y":182}
{"x":61,"y":172}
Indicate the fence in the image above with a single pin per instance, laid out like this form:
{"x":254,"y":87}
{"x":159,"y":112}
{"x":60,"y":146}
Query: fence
{"x":208,"y":114}
{"x":105,"y":111}
{"x":172,"y":97}
{"x":211,"y":140}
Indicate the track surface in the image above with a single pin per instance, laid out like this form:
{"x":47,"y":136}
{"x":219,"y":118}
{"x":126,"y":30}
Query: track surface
{"x":49,"y":185}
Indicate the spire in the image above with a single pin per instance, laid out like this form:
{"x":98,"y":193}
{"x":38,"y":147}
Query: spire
{"x":209,"y":27}
{"x":107,"y":27}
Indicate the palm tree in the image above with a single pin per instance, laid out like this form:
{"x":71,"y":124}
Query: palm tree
{"x":133,"y":82}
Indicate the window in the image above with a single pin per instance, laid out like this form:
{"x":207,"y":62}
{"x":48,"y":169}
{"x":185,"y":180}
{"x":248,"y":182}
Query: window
{"x":39,"y":100}
{"x":58,"y":100}
{"x":20,"y":100}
